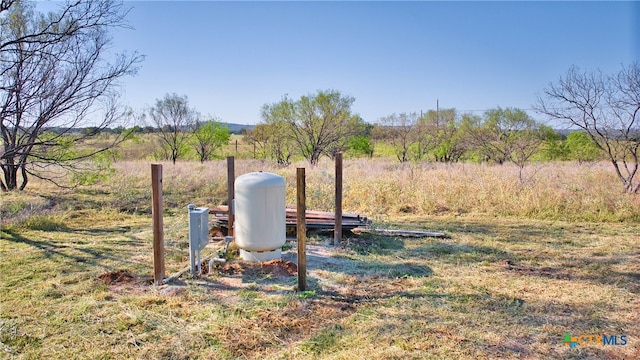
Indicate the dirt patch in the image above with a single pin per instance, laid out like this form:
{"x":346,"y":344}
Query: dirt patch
{"x":118,"y":277}
{"x":547,"y":272}
{"x":279,"y":268}
{"x":232,"y":268}
{"x":338,"y":282}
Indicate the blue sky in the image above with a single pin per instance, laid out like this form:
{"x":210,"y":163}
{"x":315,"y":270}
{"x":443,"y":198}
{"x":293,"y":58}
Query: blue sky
{"x":231,"y":58}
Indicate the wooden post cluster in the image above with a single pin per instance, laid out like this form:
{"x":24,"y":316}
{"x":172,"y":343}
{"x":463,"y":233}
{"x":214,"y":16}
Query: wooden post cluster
{"x":158,"y":227}
{"x":301,"y":229}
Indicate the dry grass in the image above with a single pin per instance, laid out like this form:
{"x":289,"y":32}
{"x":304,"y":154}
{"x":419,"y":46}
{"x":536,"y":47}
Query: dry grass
{"x":388,"y":190}
{"x":525,"y":264}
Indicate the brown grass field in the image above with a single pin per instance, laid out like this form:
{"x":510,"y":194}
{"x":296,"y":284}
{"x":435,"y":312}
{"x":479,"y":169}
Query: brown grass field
{"x":524,"y":264}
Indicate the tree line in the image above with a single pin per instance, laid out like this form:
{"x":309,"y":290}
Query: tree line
{"x":56,"y":72}
{"x":602,"y":109}
{"x":322,"y":124}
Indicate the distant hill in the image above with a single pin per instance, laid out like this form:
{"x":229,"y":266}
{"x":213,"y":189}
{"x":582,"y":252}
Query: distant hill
{"x":233,"y":128}
{"x":237,"y":128}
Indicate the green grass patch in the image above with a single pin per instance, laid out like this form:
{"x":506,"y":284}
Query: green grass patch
{"x":324,"y":342}
{"x":43,"y":223}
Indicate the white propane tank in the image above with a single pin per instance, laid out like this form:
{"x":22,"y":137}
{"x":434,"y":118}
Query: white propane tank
{"x":260,"y":216}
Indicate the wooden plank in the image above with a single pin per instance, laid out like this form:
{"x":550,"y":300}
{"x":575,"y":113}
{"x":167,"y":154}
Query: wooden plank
{"x":292,"y":222}
{"x":407,"y":233}
{"x":291,"y":212}
{"x":313,"y":219}
{"x":325,"y":213}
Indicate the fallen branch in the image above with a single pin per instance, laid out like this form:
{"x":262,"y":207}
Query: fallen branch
{"x":405,"y":233}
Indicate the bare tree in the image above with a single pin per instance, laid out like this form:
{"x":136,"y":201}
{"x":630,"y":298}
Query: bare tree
{"x":5,"y":4}
{"x":259,"y":136}
{"x":175,"y":121}
{"x":401,"y":131}
{"x":605,"y":107}
{"x":54,"y":76}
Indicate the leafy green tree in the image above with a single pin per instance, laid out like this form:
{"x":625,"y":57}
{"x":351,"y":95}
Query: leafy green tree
{"x":553,"y":147}
{"x":209,"y":137}
{"x":57,"y":71}
{"x":469,"y":126}
{"x":579,"y":146}
{"x":320,"y":123}
{"x":360,"y":144}
{"x":501,"y":132}
{"x":275,"y":135}
{"x":442,"y":135}
{"x":175,"y":119}
{"x":508,"y":134}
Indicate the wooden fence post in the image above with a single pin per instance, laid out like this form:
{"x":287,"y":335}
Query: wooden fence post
{"x":231,"y":178}
{"x":337,"y":232}
{"x":301,"y":229}
{"x":158,"y":227}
